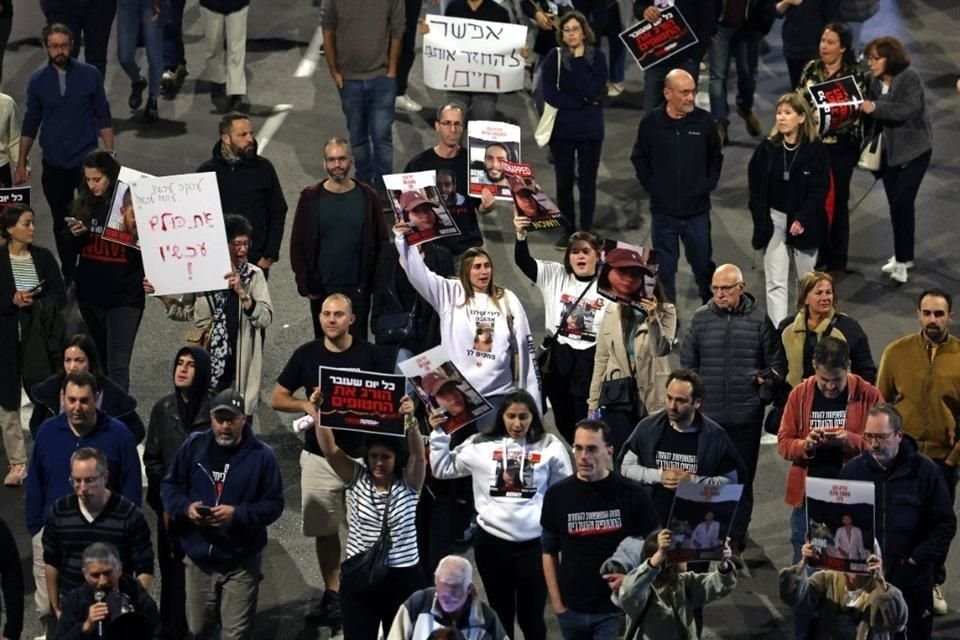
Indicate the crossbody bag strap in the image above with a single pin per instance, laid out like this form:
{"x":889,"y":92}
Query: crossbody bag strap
{"x":576,"y":302}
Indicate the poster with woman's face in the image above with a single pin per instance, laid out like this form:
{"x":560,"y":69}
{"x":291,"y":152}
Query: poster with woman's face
{"x":529,"y":198}
{"x":417,"y":201}
{"x":489,"y":145}
{"x":628,"y":273}
{"x":443,"y":388}
{"x":121,"y":225}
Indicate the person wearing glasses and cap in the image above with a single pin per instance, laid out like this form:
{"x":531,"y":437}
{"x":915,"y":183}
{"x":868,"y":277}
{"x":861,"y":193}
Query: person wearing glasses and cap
{"x":222,"y":492}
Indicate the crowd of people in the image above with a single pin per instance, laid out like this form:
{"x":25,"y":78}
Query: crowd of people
{"x":578,"y":516}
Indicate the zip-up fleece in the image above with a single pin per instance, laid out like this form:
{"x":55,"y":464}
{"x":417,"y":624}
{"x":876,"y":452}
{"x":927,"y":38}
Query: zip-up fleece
{"x":253,"y":487}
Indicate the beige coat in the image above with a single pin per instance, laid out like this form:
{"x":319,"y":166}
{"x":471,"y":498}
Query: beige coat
{"x":651,"y":346}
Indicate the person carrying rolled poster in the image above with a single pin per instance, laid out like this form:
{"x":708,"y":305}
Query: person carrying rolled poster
{"x":482,"y":325}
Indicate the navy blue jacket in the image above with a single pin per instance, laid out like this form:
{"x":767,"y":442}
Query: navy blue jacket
{"x":583,"y":84}
{"x":71,"y":122}
{"x":914,"y":513}
{"x":253,"y":487}
{"x":49,"y":477}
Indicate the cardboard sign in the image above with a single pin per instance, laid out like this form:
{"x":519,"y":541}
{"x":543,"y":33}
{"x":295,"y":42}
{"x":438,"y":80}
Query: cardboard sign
{"x":121,"y":224}
{"x":841,"y":523}
{"x":361,"y":401}
{"x":473,"y":55}
{"x":417,"y":201}
{"x":651,"y":43}
{"x":182,"y":236}
{"x":700,"y":520}
{"x":836,"y":102}
{"x":489,"y":144}
{"x":628,"y":273}
{"x":442,"y":387}
{"x":529,"y":197}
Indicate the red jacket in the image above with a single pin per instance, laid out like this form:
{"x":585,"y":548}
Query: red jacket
{"x":861,"y":396}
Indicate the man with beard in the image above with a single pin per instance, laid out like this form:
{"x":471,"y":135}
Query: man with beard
{"x":337,"y":237}
{"x":920,"y":375}
{"x":449,"y":159}
{"x":67,"y":106}
{"x":249,"y":186}
{"x":222,"y":492}
{"x":495,"y":154}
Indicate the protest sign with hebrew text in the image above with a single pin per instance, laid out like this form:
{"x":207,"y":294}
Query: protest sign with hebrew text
{"x":651,"y":43}
{"x":473,"y":55}
{"x":361,"y":401}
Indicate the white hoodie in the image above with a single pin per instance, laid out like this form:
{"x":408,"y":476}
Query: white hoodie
{"x":466,"y":328}
{"x":508,"y":497}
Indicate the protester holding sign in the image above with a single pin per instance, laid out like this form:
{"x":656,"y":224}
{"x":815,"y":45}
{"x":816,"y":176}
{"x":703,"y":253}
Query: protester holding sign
{"x":788,"y":177}
{"x":230,"y":322}
{"x":469,"y":307}
{"x":574,"y":80}
{"x":512,"y":467}
{"x":109,"y":275}
{"x":898,"y":105}
{"x":381,"y":507}
{"x":569,"y":290}
{"x":837,"y":60}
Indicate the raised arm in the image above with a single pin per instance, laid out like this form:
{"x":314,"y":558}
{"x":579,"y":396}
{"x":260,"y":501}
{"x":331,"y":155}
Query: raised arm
{"x":416,"y":469}
{"x":439,"y":292}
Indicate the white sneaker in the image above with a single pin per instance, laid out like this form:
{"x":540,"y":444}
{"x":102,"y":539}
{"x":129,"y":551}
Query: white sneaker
{"x":899,"y":272}
{"x":888,"y":267}
{"x":408,"y":104}
{"x":939,"y":602}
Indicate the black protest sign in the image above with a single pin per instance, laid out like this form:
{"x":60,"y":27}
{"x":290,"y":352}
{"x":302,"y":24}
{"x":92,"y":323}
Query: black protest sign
{"x":361,"y":401}
{"x":836,"y":101}
{"x":651,"y":43}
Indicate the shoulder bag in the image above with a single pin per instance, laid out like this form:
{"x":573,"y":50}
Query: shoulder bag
{"x":549,"y":117}
{"x":367,"y":570}
{"x":871,"y":157}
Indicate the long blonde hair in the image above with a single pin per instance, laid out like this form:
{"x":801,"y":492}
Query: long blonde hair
{"x":808,"y":128}
{"x":466,"y":262}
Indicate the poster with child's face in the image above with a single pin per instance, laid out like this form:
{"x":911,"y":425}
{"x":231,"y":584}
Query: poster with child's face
{"x":442,"y":387}
{"x":418,"y":202}
{"x":489,"y":145}
{"x":121,"y":226}
{"x":628,"y":274}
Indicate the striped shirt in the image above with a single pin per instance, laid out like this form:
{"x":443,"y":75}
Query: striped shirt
{"x":365,"y":508}
{"x":24,"y":272}
{"x":68,"y":532}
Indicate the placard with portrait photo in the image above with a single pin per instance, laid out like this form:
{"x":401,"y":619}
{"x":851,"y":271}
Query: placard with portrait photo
{"x":121,"y":225}
{"x":489,"y":144}
{"x":442,"y":387}
{"x":628,"y":273}
{"x":416,"y":201}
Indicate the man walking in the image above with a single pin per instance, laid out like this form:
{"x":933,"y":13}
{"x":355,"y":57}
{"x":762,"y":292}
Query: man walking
{"x":678,"y":158}
{"x":249,"y":187}
{"x":362,"y":41}
{"x":66,"y":104}
{"x":337,"y":237}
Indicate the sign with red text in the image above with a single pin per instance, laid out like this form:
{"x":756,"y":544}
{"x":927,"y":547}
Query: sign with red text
{"x":529,"y":198}
{"x":836,"y":102}
{"x":361,"y":401}
{"x":651,"y":43}
{"x":840,"y":523}
{"x":182,"y":236}
{"x":478,"y":56}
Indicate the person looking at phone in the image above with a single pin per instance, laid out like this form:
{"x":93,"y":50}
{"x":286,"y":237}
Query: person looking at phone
{"x":222,"y":492}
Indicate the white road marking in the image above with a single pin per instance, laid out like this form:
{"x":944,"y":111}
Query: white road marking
{"x":271,"y":125}
{"x":772,"y":609}
{"x":308,"y":65}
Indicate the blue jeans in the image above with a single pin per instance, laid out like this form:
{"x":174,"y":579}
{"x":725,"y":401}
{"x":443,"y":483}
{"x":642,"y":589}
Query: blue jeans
{"x":653,"y":79}
{"x":369,"y":108}
{"x":132,"y":16}
{"x":695,"y":232}
{"x":173,"y":53}
{"x":744,"y":47}
{"x":588,"y":626}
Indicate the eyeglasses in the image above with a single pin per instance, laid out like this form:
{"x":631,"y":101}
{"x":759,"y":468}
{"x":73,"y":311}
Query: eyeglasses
{"x":453,"y":124}
{"x":724,"y":288}
{"x":878,"y":437}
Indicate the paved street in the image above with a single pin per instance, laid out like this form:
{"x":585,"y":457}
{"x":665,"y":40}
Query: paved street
{"x":296,"y":108}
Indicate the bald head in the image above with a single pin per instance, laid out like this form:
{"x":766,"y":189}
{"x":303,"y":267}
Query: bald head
{"x":728,"y":286}
{"x":679,"y":91}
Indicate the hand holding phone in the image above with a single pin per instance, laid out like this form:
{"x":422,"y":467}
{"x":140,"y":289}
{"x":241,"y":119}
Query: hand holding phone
{"x":204,"y":511}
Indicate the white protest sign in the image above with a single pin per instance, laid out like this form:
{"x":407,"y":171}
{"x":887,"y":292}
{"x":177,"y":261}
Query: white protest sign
{"x":182,"y":236}
{"x":473,"y":55}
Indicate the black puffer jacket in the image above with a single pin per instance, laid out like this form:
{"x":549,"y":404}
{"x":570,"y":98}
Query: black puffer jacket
{"x":114,"y":402}
{"x":728,"y":350}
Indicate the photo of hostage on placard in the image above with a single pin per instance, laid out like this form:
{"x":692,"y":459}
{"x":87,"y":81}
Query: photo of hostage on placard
{"x":513,"y":475}
{"x":417,"y":202}
{"x":529,"y":198}
{"x":840,"y":523}
{"x":628,"y":274}
{"x":121,"y":226}
{"x":489,"y":145}
{"x":700,"y":520}
{"x":443,"y":388}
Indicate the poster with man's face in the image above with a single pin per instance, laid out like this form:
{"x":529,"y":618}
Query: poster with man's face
{"x":489,"y":145}
{"x":700,"y":519}
{"x":443,"y":388}
{"x":628,"y":274}
{"x":418,"y":202}
{"x":840,"y":523}
{"x":121,"y":226}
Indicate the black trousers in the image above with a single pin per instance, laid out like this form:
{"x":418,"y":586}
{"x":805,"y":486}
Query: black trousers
{"x":577,"y":162}
{"x":361,"y":309}
{"x":408,"y":51}
{"x":795,"y":69}
{"x":902,"y":183}
{"x":843,"y":159}
{"x":916,"y":584}
{"x":173,"y":584}
{"x":59,"y":188}
{"x":91,"y":23}
{"x":363,"y":613}
{"x":568,"y":386}
{"x":443,"y":514}
{"x":746,"y":439}
{"x":512,"y":574}
{"x":950,"y":476}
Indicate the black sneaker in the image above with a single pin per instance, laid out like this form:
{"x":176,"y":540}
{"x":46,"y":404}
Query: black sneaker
{"x":326,"y":612}
{"x":150,"y":112}
{"x":136,"y":94}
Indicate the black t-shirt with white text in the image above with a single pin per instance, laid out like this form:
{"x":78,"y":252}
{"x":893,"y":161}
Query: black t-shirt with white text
{"x":220,"y":458}
{"x":675,"y":450}
{"x":826,"y":415}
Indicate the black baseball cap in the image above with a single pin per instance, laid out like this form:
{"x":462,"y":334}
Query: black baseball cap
{"x":229,"y":401}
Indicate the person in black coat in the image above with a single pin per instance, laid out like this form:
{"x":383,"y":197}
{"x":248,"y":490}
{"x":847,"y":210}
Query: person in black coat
{"x":788,"y":177}
{"x":32,"y":295}
{"x":11,"y":583}
{"x":803,"y":22}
